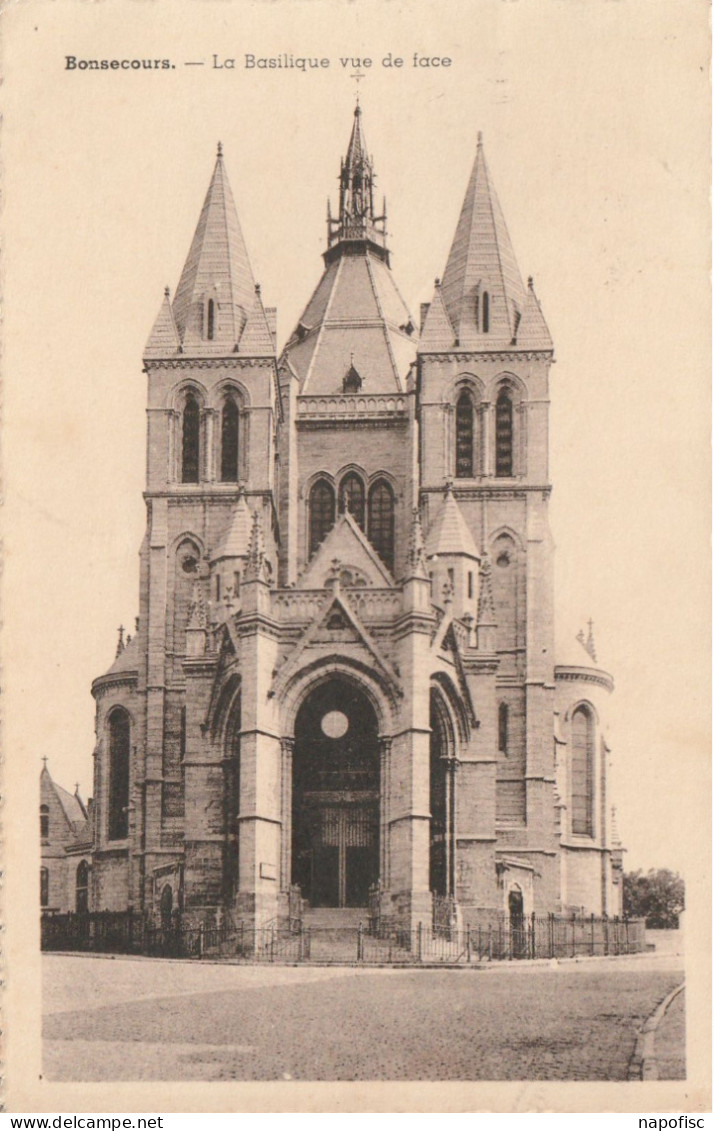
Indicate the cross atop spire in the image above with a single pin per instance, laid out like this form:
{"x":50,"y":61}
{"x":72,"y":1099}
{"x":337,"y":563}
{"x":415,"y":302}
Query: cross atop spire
{"x":356,"y":218}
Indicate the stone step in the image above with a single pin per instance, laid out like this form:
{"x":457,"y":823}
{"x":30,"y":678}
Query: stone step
{"x":336,"y":918}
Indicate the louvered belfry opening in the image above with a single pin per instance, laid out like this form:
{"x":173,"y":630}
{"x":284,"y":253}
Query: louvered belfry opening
{"x":465,"y":436}
{"x":504,"y":434}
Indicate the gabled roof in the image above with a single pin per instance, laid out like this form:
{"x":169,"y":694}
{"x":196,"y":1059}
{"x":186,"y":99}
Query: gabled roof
{"x":336,"y":616}
{"x":449,"y":533}
{"x":347,"y":545}
{"x":71,"y":804}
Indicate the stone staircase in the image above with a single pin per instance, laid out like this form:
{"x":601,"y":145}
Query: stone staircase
{"x":334,"y":938}
{"x":334,"y":932}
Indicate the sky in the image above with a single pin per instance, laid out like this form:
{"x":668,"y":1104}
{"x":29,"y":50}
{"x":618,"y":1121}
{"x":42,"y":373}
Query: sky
{"x":595,"y":116}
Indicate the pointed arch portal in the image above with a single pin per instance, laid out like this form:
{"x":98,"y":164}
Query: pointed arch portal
{"x":335,"y":822}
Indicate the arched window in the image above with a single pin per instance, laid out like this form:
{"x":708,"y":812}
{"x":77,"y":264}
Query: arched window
{"x":119,"y":747}
{"x":381,"y":521}
{"x":44,"y":887}
{"x":322,"y":512}
{"x":211,"y":320}
{"x":82,"y":887}
{"x":44,"y":822}
{"x":352,"y":497}
{"x":504,"y":434}
{"x":190,"y":440}
{"x":486,"y":312}
{"x":582,"y":772}
{"x":503,"y":728}
{"x":465,"y":436}
{"x":229,"y":441}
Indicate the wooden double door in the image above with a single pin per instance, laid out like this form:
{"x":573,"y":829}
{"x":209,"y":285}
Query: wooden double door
{"x":343,"y":855}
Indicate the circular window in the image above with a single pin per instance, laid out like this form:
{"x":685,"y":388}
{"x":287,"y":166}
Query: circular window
{"x":334,"y":724}
{"x":503,"y":560}
{"x":189,"y":564}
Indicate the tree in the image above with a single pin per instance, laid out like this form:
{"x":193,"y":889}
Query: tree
{"x":658,"y":897}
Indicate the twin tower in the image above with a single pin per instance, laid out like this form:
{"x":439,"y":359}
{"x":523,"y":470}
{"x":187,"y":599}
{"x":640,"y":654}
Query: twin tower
{"x":343,"y":679}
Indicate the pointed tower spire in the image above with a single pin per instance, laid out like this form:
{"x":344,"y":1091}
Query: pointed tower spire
{"x":216,"y":292}
{"x":482,"y":289}
{"x":356,"y":218}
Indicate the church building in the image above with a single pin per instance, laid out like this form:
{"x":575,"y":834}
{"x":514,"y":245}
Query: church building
{"x":343,"y":677}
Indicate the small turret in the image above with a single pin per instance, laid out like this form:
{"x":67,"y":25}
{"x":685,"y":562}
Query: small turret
{"x":453,"y":557}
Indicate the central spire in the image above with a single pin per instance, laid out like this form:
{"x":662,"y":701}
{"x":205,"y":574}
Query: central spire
{"x":356,"y":220}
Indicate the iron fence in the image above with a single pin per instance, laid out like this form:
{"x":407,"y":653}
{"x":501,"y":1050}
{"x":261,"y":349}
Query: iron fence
{"x":490,"y":937}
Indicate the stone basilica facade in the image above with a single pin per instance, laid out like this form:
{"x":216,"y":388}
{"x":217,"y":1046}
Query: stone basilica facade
{"x":343,"y":675}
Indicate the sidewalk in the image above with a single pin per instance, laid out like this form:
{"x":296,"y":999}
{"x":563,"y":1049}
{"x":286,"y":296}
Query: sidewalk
{"x":670,"y":1042}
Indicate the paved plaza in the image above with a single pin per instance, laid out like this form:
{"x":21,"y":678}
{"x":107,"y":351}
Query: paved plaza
{"x":143,"y":1019}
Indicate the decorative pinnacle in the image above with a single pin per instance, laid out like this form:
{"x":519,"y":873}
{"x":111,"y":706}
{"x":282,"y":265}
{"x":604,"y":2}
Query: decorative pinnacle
{"x":417,"y":553}
{"x":219,"y":150}
{"x":167,"y":292}
{"x":44,"y":761}
{"x":486,"y":612}
{"x":530,"y":282}
{"x":197,"y":618}
{"x":255,"y":566}
{"x":120,"y":641}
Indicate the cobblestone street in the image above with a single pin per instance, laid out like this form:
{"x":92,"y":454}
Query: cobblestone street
{"x":163,"y":1020}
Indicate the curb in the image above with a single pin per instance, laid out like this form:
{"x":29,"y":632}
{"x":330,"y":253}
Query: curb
{"x":482,"y":966}
{"x":643,"y":1065}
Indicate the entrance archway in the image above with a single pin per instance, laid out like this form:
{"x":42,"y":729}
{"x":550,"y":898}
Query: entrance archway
{"x":166,"y":906}
{"x":335,"y":845}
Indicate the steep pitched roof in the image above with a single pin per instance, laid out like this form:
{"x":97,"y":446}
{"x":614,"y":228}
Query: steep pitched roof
{"x":217,"y":267}
{"x":234,"y":543}
{"x":127,"y":658}
{"x":449,"y":533}
{"x":164,"y":338}
{"x":482,"y":259}
{"x":356,"y":315}
{"x":71,"y":804}
{"x":482,"y":262}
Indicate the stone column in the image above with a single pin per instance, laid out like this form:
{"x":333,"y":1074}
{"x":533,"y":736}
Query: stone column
{"x":384,"y":773}
{"x":287,"y":747}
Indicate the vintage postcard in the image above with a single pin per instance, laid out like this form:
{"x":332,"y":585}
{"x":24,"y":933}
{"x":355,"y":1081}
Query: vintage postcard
{"x":356,"y":620}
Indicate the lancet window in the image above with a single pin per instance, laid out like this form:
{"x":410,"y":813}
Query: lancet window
{"x":352,"y":497}
{"x":582,"y":772}
{"x":322,"y":512}
{"x":119,"y":749}
{"x":504,"y":434}
{"x":465,"y":437}
{"x":381,"y":521}
{"x":230,"y":443}
{"x":190,"y":440}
